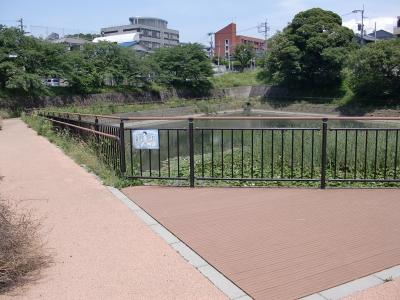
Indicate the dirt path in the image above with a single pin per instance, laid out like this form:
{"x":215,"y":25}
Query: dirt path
{"x":101,"y":250}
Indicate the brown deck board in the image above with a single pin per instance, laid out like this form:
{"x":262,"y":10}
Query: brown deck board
{"x":282,"y":243}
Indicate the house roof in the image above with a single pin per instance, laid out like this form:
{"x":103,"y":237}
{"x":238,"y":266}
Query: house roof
{"x":118,"y":38}
{"x":230,"y":28}
{"x":382,"y":34}
{"x":71,"y":41}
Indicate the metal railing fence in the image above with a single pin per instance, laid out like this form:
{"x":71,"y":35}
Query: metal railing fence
{"x":320,"y":150}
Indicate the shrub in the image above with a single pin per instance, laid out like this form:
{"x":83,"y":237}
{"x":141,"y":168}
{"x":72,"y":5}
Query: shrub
{"x":374,"y":70}
{"x":184,"y":67}
{"x":21,"y":249}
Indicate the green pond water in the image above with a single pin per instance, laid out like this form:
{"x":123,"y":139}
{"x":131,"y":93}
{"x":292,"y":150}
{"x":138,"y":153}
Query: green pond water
{"x":365,"y":151}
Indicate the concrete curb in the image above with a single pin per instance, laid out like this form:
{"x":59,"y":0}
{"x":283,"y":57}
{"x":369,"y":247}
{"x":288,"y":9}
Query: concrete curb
{"x":231,"y":290}
{"x":357,"y":285}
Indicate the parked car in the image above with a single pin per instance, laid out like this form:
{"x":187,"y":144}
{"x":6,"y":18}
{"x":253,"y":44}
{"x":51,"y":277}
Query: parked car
{"x":55,"y":82}
{"x":52,"y":81}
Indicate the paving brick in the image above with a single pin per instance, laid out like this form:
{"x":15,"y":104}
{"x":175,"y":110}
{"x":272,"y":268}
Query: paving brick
{"x":351,"y":287}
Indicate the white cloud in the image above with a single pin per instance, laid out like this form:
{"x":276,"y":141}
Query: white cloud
{"x":385,"y":23}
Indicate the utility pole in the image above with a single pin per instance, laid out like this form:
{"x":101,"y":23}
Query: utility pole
{"x":362,"y":22}
{"x":217,"y":50}
{"x":21,"y":24}
{"x":229,"y":56}
{"x":210,"y":34}
{"x":264,"y":28}
{"x":362,"y":25}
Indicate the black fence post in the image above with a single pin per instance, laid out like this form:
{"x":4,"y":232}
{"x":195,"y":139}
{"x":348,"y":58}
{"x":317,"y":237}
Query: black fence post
{"x":323,"y":152}
{"x":80,"y":132}
{"x":96,"y":127}
{"x":122,"y":147}
{"x":191,"y":153}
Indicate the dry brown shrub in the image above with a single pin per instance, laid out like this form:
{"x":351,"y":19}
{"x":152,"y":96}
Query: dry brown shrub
{"x":22,"y":253}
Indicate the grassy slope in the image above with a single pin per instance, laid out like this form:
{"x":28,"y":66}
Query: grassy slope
{"x":80,"y":152}
{"x":199,"y":106}
{"x":236,"y":79}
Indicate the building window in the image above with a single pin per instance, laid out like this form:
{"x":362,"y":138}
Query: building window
{"x":112,"y":31}
{"x":227,"y":42}
{"x":226,"y":48}
{"x":130,"y":29}
{"x":155,"y":34}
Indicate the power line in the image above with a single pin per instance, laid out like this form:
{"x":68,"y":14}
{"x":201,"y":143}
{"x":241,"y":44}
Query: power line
{"x":247,"y":29}
{"x":21,"y":26}
{"x":350,"y":13}
{"x":8,"y":21}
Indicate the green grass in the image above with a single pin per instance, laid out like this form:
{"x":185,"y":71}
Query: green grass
{"x":261,"y":164}
{"x":235,"y":79}
{"x":82,"y":153}
{"x":105,"y":108}
{"x":4,"y":114}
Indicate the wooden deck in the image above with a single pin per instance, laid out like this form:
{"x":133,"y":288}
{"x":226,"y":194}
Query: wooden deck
{"x":282,"y":243}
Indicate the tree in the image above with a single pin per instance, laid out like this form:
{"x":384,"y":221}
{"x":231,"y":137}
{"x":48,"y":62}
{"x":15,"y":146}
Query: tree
{"x":281,"y":64}
{"x":104,"y":64}
{"x":374,"y":70}
{"x":183,"y":67}
{"x":25,"y":61}
{"x":309,"y":52}
{"x":244,"y":53}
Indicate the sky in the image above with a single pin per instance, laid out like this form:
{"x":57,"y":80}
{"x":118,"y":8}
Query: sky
{"x":194,"y":19}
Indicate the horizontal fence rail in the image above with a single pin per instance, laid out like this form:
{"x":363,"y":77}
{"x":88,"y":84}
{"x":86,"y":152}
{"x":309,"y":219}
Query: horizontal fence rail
{"x":84,"y":129}
{"x":318,"y":150}
{"x":106,"y":139}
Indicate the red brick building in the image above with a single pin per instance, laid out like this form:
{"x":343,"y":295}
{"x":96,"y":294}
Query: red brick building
{"x":226,"y":40}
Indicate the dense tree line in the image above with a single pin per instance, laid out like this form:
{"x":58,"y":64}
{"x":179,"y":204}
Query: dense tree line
{"x":313,"y":53}
{"x":26,"y":61}
{"x":316,"y":53}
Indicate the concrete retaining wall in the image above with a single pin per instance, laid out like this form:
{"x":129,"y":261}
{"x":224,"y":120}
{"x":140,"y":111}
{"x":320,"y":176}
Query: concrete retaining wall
{"x":146,"y":97}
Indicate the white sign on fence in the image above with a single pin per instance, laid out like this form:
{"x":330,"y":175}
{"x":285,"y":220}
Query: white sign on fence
{"x":145,"y":139}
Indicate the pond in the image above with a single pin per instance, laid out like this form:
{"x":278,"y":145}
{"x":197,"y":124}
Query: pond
{"x":276,"y":149}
